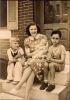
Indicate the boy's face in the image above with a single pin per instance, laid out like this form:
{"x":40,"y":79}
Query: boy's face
{"x":33,"y":30}
{"x":14,"y":45}
{"x":55,"y":39}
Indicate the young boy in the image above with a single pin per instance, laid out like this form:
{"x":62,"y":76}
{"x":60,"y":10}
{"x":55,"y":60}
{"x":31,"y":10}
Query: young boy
{"x":54,"y":62}
{"x":15,"y":55}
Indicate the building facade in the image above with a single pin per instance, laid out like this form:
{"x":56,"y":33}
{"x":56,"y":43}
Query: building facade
{"x":17,"y":14}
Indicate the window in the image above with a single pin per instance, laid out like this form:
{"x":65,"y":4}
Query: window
{"x":9,"y":14}
{"x":55,"y":11}
{"x":3,"y":13}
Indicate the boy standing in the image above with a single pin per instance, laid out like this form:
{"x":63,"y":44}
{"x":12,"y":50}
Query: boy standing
{"x":54,"y":62}
{"x":15,"y":55}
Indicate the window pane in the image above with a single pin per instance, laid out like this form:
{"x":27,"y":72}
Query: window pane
{"x":55,"y":12}
{"x":49,"y":12}
{"x":3,"y":13}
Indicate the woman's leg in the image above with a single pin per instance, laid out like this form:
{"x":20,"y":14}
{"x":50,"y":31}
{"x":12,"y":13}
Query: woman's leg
{"x":29,"y":85}
{"x":25,"y":76}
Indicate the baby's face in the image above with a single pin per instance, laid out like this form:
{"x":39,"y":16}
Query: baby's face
{"x":55,"y":39}
{"x":15,"y":45}
{"x":33,"y":30}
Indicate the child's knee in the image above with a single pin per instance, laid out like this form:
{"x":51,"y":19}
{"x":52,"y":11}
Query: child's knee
{"x":51,"y":66}
{"x":46,"y":65}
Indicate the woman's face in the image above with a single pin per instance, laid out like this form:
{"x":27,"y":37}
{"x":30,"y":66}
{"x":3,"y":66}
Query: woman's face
{"x":33,"y":30}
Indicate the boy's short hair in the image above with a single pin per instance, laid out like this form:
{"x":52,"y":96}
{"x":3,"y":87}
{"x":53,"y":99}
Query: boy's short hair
{"x":56,"y":32}
{"x":14,"y":39}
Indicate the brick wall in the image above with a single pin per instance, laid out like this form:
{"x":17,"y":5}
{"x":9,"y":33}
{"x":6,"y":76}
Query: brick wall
{"x":25,"y":16}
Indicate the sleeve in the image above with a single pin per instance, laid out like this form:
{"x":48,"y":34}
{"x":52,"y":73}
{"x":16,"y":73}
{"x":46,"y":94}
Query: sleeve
{"x":21,"y":51}
{"x":9,"y":55}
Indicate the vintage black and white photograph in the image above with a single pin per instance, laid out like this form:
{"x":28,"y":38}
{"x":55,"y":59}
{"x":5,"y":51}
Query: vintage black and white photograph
{"x":34,"y":49}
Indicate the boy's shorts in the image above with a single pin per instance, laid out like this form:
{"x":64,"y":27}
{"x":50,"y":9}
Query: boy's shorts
{"x":58,"y":67}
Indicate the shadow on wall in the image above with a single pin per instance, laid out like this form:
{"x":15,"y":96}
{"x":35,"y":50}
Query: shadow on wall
{"x":3,"y":68}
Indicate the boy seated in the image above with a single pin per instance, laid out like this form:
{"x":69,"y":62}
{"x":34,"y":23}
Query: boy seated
{"x":55,"y":61}
{"x":15,"y":55}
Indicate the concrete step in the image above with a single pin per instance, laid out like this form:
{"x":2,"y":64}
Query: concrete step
{"x":62,"y":78}
{"x":5,"y":96}
{"x":59,"y":93}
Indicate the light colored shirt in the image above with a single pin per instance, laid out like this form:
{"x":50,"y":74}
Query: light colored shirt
{"x":56,"y":52}
{"x":19,"y":51}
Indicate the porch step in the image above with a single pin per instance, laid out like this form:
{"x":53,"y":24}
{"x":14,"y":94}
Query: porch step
{"x":62,"y":78}
{"x":5,"y":96}
{"x":59,"y":93}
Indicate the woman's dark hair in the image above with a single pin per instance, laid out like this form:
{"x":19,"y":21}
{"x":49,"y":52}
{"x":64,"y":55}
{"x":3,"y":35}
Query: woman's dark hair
{"x":56,"y":32}
{"x":27,"y":29}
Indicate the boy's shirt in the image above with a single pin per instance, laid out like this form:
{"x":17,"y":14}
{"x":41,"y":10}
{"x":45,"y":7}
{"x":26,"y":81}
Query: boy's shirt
{"x":11,"y":54}
{"x":56,"y":52}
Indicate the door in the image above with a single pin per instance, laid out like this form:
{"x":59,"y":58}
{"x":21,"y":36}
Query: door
{"x":55,"y":15}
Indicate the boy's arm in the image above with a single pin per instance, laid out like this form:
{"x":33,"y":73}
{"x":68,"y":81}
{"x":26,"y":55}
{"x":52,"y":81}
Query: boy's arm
{"x":20,"y":54}
{"x":62,"y":60}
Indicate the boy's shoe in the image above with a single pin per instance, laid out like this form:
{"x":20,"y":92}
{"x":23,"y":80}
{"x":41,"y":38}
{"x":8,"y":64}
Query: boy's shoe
{"x":50,"y":88}
{"x":43,"y":86}
{"x":15,"y":82}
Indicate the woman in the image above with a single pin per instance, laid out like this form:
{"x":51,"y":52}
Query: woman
{"x":36,"y":47}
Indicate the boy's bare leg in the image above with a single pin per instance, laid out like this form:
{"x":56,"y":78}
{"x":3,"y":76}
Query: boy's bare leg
{"x":29,"y":85}
{"x":52,"y":72}
{"x":45,"y":82}
{"x":51,"y":86}
{"x":46,"y":72}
